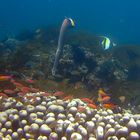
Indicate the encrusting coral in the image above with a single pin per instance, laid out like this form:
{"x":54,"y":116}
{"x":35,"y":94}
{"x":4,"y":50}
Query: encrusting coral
{"x":47,"y":117}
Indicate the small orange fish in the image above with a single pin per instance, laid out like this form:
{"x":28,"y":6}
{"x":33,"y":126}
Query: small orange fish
{"x":93,"y":106}
{"x":81,"y":109}
{"x":87,"y":100}
{"x":3,"y":95}
{"x":109,"y":106}
{"x":9,"y":91}
{"x":58,"y":93}
{"x":5,"y":77}
{"x":102,"y":96}
{"x":34,"y":90}
{"x":21,"y":94}
{"x":30,"y":81}
{"x":46,"y":94}
{"x":25,"y":89}
{"x":70,"y":97}
{"x":18,"y":85}
{"x":104,"y":99}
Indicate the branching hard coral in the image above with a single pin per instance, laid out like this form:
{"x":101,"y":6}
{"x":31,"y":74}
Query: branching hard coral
{"x":68,"y":22}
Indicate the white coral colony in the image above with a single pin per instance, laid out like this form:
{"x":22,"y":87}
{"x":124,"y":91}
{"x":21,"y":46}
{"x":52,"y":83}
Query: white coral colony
{"x":51,"y":118}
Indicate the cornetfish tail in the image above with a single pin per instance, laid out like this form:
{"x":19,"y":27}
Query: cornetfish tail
{"x":68,"y":22}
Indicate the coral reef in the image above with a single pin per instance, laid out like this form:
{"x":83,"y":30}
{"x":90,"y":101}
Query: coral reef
{"x":129,"y":56}
{"x":82,"y":57}
{"x":45,"y":116}
{"x":84,"y":65}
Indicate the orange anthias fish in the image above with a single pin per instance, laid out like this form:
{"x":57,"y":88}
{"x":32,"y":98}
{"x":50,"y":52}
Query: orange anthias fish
{"x":81,"y":109}
{"x":70,"y":97}
{"x":104,"y":99}
{"x":34,"y":89}
{"x":25,"y":89}
{"x":58,"y":93}
{"x":30,"y":81}
{"x":93,"y":106}
{"x":87,"y":100}
{"x":5,"y":77}
{"x":109,"y":106}
{"x":3,"y":95}
{"x":102,"y":96}
{"x":9,"y":91}
{"x":46,"y":94}
{"x":18,"y":85}
{"x":21,"y":94}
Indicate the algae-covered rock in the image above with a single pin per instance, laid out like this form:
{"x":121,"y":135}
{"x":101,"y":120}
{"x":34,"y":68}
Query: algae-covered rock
{"x":83,"y":59}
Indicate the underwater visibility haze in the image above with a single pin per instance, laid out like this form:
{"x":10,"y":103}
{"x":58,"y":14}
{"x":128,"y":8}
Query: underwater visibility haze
{"x":117,"y":19}
{"x":69,"y":70}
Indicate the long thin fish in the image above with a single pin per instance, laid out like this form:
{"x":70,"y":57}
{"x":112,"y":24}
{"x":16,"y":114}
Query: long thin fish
{"x":67,"y":23}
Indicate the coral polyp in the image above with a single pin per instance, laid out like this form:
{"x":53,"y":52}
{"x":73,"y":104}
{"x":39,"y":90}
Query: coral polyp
{"x":50,"y":117}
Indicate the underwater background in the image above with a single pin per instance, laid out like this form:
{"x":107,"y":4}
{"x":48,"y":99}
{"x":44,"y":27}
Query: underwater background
{"x":117,"y":19}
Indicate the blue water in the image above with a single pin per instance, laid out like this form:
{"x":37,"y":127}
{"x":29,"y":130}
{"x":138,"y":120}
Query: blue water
{"x":118,"y":19}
